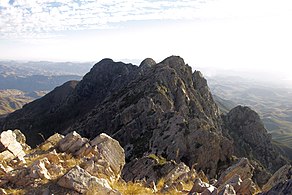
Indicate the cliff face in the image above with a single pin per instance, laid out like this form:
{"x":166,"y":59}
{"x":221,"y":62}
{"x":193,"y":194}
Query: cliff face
{"x":162,"y":108}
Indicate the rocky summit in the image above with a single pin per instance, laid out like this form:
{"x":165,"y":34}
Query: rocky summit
{"x":74,"y":165}
{"x":165,"y":118}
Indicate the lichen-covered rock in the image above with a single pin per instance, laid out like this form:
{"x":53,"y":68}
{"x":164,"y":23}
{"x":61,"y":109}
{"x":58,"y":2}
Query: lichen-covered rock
{"x":80,"y":180}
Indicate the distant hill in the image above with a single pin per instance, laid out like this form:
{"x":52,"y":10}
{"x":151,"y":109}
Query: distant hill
{"x":23,"y":82}
{"x":273,"y":104}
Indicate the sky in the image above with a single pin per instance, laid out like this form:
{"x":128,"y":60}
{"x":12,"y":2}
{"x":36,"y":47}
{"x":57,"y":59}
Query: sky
{"x":251,"y":35}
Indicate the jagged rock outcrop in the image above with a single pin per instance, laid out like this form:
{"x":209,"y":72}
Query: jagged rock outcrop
{"x":153,"y":168}
{"x":105,"y":156}
{"x":252,"y":140}
{"x":282,"y":188}
{"x":282,"y":175}
{"x":239,"y":176}
{"x":51,"y":164}
{"x":160,"y":108}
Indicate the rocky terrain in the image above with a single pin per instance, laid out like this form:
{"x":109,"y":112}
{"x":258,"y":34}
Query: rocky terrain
{"x":75,"y":165}
{"x":165,"y":118}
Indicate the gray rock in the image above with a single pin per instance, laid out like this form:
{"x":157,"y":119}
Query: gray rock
{"x":282,"y":188}
{"x":282,"y":175}
{"x":9,"y":146}
{"x":153,"y":168}
{"x":71,"y":143}
{"x":81,"y":181}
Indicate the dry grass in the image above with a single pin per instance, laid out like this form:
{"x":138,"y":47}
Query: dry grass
{"x":138,"y":188}
{"x":131,"y":188}
{"x":15,"y":191}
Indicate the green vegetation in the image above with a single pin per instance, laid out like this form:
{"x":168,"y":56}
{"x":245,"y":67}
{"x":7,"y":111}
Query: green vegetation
{"x":160,"y":160}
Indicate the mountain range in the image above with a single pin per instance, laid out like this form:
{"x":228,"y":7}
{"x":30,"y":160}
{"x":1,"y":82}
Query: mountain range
{"x":162,"y":108}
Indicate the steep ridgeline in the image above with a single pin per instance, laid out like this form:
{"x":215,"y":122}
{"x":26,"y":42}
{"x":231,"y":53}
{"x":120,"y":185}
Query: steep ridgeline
{"x":162,"y":108}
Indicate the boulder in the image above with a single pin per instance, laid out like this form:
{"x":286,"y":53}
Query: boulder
{"x":52,"y":141}
{"x":110,"y":151}
{"x":283,"y":174}
{"x":71,"y":143}
{"x":81,"y":181}
{"x":10,"y":147}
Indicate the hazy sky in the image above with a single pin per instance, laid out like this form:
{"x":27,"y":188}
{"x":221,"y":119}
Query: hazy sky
{"x":239,"y":34}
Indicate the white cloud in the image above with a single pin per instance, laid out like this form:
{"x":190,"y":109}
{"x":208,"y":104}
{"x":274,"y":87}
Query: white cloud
{"x":25,"y":18}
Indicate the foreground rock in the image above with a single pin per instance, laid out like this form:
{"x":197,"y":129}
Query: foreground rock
{"x":105,"y":156}
{"x":282,"y":188}
{"x":239,"y":176}
{"x":10,"y":148}
{"x":153,"y":168}
{"x":81,"y":181}
{"x":282,"y":175}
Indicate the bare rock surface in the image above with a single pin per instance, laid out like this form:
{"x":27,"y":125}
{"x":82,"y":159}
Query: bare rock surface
{"x":239,"y":176}
{"x":80,"y":180}
{"x":282,"y":175}
{"x":282,"y":188}
{"x":9,"y":146}
{"x":152,"y":169}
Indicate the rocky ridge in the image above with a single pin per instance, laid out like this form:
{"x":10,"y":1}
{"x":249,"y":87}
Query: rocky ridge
{"x":75,"y":165}
{"x":162,"y":109}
